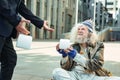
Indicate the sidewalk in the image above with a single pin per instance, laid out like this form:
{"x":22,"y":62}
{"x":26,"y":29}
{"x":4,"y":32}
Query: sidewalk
{"x":39,"y":62}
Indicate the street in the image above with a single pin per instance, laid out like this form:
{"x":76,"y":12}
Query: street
{"x":39,"y":62}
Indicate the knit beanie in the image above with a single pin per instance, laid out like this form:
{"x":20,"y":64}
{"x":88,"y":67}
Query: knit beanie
{"x":89,"y":24}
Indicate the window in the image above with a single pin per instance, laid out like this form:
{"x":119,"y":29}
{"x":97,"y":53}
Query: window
{"x":109,"y":3}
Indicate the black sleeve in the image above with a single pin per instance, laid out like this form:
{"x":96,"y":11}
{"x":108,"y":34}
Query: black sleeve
{"x":27,"y":14}
{"x":7,"y":11}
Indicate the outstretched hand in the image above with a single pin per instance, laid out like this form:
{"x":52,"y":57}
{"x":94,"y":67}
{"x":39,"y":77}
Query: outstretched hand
{"x":61,"y":51}
{"x":45,"y":26}
{"x":21,"y":27}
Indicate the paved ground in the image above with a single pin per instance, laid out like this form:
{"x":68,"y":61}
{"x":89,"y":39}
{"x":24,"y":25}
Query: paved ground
{"x":39,"y":62}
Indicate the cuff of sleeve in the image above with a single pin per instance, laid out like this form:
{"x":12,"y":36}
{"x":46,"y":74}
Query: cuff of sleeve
{"x":38,"y":23}
{"x":17,"y":21}
{"x":41,"y":24}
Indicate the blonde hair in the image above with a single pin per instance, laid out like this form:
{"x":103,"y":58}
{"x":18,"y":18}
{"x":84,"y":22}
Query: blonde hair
{"x":92,"y":37}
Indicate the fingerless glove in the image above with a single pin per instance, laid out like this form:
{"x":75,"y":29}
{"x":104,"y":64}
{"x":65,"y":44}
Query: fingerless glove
{"x":61,"y":51}
{"x":72,"y":53}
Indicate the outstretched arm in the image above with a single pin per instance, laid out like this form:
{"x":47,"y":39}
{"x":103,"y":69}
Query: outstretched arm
{"x":27,"y":14}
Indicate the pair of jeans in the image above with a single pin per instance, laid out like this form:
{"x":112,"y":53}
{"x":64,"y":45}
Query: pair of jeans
{"x":8,"y":58}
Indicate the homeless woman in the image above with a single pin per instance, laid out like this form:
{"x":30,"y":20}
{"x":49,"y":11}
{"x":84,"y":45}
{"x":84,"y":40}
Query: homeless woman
{"x":84,"y":58}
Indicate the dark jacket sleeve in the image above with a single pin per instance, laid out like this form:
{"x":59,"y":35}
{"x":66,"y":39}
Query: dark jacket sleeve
{"x":97,"y":60}
{"x":8,"y":12}
{"x":26,"y":13}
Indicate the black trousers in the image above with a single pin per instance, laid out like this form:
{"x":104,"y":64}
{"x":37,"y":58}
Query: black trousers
{"x":8,"y":58}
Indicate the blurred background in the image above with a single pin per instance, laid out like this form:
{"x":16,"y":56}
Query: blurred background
{"x":63,"y":14}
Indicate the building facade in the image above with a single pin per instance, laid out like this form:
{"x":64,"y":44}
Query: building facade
{"x":102,"y":16}
{"x":60,"y":15}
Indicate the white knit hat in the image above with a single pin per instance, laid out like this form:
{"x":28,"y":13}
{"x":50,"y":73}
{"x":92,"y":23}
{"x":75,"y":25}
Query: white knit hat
{"x":89,"y":24}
